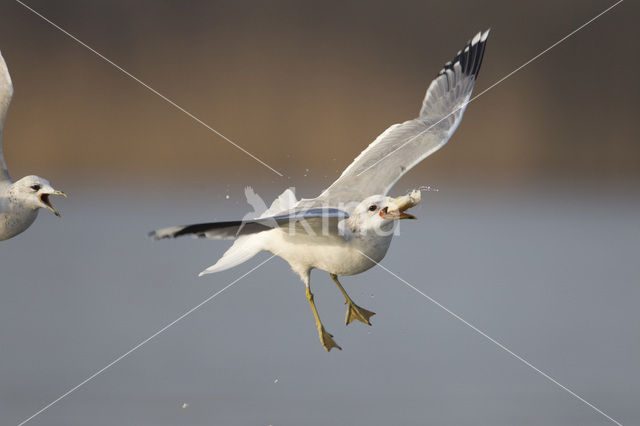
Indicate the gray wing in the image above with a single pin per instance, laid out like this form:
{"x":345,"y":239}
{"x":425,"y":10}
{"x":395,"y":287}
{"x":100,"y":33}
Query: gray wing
{"x":404,"y":145}
{"x":6,"y":92}
{"x":310,"y":221}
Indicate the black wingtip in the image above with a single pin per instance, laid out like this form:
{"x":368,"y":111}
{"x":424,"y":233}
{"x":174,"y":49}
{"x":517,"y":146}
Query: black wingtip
{"x":470,"y":58}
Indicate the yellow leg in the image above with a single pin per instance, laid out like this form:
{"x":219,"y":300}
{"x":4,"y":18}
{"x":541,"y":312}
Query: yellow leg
{"x":354,"y":312}
{"x":325,"y":338}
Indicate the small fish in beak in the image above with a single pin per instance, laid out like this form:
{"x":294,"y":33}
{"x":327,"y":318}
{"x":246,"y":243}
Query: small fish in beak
{"x":45,"y":200}
{"x":396,"y":209}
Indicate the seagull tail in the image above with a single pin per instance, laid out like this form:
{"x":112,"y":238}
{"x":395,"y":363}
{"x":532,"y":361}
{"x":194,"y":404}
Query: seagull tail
{"x":243,"y":249}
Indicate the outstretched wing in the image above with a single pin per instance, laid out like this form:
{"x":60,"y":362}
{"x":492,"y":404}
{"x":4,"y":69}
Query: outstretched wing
{"x":6,"y":92}
{"x":312,"y":221}
{"x":404,"y":145}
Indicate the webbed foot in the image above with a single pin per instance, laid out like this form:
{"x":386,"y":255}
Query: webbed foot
{"x":355,"y":312}
{"x":327,"y":340}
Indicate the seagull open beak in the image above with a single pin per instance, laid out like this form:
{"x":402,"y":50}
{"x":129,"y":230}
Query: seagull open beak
{"x":45,"y":200}
{"x":396,"y":209}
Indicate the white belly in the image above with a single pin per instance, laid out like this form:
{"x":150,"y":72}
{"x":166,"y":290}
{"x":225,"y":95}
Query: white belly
{"x":332,"y":254}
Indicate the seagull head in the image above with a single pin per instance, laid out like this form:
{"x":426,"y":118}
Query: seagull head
{"x":33,"y":192}
{"x":379,"y":213}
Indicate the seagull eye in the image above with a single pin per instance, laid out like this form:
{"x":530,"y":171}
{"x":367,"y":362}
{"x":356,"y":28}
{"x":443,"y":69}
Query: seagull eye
{"x":35,"y":187}
{"x":373,"y":208}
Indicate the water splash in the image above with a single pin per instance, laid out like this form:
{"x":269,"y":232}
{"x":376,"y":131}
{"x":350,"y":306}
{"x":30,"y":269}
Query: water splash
{"x":428,"y":189}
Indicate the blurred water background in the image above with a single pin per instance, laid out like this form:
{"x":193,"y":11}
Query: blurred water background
{"x":550,"y":272}
{"x":533,"y":234}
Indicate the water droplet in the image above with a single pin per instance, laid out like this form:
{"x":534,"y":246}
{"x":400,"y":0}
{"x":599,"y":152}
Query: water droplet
{"x":428,"y":189}
{"x":226,"y":196}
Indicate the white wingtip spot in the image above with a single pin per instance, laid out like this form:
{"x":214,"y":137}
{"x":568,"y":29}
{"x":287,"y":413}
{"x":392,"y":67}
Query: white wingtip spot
{"x":476,"y":38}
{"x":485,"y":35}
{"x":165,"y":232}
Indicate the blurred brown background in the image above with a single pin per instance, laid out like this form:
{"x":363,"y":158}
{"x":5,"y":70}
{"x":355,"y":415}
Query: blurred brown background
{"x":307,"y":85}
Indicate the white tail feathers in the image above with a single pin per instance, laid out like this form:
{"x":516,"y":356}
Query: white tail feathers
{"x":243,"y":249}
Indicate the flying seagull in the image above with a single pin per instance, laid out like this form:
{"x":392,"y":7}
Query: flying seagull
{"x":20,"y":200}
{"x":348,"y":228}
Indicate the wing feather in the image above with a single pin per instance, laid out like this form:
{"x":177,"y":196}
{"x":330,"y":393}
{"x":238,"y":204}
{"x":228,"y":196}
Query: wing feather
{"x":305,"y":221}
{"x":402,"y":146}
{"x":6,"y":93}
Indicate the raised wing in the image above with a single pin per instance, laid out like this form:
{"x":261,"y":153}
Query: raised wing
{"x":311,"y":221}
{"x":6,"y":92}
{"x":404,"y":145}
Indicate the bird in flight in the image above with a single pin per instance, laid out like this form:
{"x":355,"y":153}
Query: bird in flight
{"x":20,"y":201}
{"x":348,"y":228}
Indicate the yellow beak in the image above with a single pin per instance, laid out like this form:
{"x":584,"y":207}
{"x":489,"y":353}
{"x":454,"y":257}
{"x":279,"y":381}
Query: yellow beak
{"x":396,"y":209}
{"x":45,"y":200}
